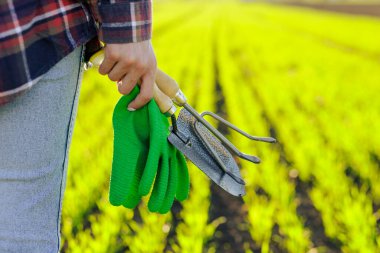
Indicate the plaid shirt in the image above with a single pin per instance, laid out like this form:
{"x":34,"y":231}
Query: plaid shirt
{"x":36,"y":34}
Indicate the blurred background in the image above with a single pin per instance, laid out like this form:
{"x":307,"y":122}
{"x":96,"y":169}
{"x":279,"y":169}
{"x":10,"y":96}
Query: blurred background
{"x":304,"y":72}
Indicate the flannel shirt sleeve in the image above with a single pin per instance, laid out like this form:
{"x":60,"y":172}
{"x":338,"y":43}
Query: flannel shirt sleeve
{"x":123,"y":21}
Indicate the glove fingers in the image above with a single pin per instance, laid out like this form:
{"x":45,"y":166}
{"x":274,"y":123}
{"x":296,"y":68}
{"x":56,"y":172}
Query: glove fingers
{"x":123,"y":171}
{"x":160,"y":185}
{"x":172,"y":184}
{"x":156,"y":141}
{"x":125,"y":154}
{"x":133,"y":197}
{"x":132,"y":201}
{"x":183,"y":188}
{"x":147,"y":178}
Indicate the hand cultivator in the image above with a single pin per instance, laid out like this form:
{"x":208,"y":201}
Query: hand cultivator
{"x":199,"y":141}
{"x":196,"y":138}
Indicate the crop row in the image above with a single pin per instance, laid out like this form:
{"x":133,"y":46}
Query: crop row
{"x":270,"y":198}
{"x":325,"y":122}
{"x":354,"y":33}
{"x":287,"y":82}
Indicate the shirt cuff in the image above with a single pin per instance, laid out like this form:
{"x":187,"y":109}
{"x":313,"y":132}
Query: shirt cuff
{"x":125,"y":22}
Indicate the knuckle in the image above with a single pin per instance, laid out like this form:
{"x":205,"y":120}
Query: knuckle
{"x":121,"y":89}
{"x":132,"y":82}
{"x":152,"y":68}
{"x":146,"y":97}
{"x":154,"y":63}
{"x":113,"y":77}
{"x":112,"y":55}
{"x":101,"y":70}
{"x":129,"y":61}
{"x":140,"y":67}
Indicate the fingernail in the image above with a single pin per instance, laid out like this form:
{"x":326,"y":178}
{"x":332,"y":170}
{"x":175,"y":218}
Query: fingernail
{"x":131,"y":109}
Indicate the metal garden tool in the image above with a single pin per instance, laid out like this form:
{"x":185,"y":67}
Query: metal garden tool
{"x":196,"y":138}
{"x":200,"y":142}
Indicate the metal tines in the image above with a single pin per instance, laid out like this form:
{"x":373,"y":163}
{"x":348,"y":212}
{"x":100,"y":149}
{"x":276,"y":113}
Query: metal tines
{"x":201,"y":122}
{"x":200,"y":142}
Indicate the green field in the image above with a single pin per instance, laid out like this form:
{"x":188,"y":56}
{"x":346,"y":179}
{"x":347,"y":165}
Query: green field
{"x":309,"y":78}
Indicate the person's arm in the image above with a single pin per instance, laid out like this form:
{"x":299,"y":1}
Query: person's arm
{"x":126,"y":27}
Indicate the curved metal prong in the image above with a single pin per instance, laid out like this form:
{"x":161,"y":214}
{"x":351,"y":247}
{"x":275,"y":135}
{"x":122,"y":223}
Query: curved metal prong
{"x":250,"y":158}
{"x":225,"y":122}
{"x":217,"y":134}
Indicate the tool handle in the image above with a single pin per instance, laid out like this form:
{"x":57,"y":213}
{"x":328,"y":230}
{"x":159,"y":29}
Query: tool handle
{"x":164,"y":102}
{"x":96,"y":59}
{"x":170,"y":87}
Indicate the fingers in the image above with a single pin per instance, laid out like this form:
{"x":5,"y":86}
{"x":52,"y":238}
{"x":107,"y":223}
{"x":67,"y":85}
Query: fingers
{"x":108,"y":62}
{"x":117,"y":72}
{"x":128,"y":83}
{"x":173,"y":181}
{"x":151,"y":167}
{"x":123,"y":170}
{"x":125,"y":157}
{"x":146,"y":93}
{"x":128,"y":63}
{"x":160,"y":185}
{"x":157,"y":138}
{"x":133,"y":197}
{"x":183,"y":188}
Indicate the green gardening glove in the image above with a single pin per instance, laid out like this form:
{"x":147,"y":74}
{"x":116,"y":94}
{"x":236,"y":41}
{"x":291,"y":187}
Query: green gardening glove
{"x":142,"y":154}
{"x":179,"y":181}
{"x":130,"y":152}
{"x":175,"y":169}
{"x":178,"y":184}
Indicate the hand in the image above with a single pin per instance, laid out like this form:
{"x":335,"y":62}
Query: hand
{"x":129,"y":64}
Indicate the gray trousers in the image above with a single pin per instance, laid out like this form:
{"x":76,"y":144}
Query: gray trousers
{"x":35,"y":134}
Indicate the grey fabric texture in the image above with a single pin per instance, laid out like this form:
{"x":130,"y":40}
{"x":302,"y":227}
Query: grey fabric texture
{"x":35,"y":134}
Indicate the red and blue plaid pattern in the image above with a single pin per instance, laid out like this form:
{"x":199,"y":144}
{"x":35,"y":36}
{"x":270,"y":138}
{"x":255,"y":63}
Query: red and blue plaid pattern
{"x":36,"y":34}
